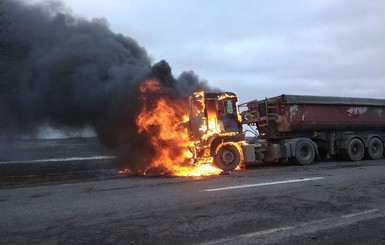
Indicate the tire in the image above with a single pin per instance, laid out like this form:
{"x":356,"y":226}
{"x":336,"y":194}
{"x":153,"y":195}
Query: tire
{"x":304,"y":152}
{"x":355,"y":151}
{"x":227,"y":157}
{"x":375,"y":149}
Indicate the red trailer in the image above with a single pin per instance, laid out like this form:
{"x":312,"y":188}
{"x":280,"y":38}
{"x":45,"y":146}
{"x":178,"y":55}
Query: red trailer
{"x":296,"y":127}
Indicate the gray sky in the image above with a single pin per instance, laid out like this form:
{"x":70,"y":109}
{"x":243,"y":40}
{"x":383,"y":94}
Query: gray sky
{"x":259,"y":49}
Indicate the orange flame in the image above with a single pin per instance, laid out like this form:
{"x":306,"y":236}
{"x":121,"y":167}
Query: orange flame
{"x":163,"y":121}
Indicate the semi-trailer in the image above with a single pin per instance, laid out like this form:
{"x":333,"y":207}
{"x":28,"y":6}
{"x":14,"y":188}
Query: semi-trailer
{"x":288,"y":128}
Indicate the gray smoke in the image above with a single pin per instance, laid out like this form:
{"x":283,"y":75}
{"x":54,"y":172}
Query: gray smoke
{"x":67,"y":71}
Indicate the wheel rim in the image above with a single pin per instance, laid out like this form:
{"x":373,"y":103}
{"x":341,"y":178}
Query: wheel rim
{"x":227,"y":157}
{"x":304,"y":152}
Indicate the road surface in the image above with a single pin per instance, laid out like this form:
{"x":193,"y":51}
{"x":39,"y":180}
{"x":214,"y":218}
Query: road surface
{"x":53,"y":158}
{"x":324,"y":203}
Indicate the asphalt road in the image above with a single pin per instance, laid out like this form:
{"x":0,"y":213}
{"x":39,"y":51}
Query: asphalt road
{"x":50,"y":157}
{"x":324,"y":203}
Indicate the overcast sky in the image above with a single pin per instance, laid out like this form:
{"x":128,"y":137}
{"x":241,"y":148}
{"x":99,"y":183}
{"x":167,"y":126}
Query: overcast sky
{"x":259,"y":49}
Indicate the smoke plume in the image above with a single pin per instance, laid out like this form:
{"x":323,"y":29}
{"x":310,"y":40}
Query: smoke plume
{"x":70,"y":72}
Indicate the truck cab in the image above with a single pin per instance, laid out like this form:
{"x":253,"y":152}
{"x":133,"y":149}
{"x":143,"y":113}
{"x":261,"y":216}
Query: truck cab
{"x":215,"y":128}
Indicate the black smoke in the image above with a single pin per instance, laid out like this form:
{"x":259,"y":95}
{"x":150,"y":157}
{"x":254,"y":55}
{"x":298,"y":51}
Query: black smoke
{"x":70,"y":72}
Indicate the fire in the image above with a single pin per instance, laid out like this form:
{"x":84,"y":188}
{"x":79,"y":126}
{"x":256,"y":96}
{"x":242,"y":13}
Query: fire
{"x":162,"y":119}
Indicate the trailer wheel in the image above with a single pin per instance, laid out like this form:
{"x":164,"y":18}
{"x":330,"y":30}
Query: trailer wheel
{"x":227,"y":157}
{"x":375,"y":148}
{"x":304,"y":152}
{"x":356,"y":149}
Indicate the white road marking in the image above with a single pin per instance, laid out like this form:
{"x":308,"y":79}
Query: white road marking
{"x":308,"y":227}
{"x":68,"y":159}
{"x":265,"y":232}
{"x":361,"y":213}
{"x":263,"y":184}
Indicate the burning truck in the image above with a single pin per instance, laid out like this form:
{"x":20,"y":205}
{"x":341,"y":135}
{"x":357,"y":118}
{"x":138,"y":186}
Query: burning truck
{"x":287,"y":128}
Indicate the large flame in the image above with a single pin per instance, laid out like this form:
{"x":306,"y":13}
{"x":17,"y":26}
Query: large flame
{"x":163,"y":119}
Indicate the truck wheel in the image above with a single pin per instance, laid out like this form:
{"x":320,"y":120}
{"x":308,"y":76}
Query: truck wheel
{"x":304,"y":152}
{"x":227,"y":157}
{"x":375,"y":149}
{"x":355,"y":151}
